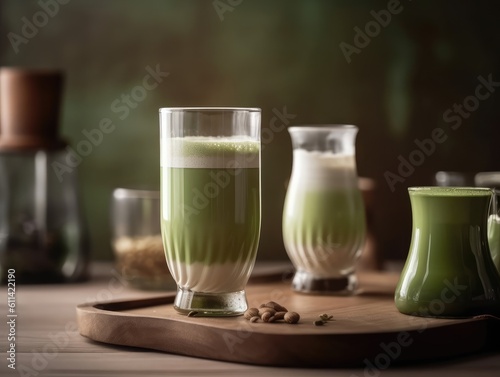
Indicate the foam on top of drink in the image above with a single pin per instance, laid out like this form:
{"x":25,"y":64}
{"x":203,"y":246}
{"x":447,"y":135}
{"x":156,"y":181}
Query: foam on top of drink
{"x":316,"y":169}
{"x":494,"y":219}
{"x":210,"y":152}
{"x":450,"y":191}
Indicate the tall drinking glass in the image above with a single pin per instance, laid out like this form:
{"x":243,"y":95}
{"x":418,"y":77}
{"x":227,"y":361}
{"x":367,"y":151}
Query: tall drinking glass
{"x":323,"y":217}
{"x":210,"y":205}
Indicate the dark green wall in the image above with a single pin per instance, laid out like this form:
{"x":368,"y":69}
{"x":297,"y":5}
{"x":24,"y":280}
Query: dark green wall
{"x":272,"y":54}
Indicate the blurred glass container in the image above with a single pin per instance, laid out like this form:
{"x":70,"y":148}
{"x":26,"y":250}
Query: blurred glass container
{"x":454,"y":179}
{"x":492,"y":180}
{"x":487,"y":179}
{"x":137,"y":243}
{"x":43,"y":232}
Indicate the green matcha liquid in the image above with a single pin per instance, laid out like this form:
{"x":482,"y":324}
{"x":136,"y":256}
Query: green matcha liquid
{"x":449,"y":272}
{"x":322,"y":228}
{"x":210,"y":211}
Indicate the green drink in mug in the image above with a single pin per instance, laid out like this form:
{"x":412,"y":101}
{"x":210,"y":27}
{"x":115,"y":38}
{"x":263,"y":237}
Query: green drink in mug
{"x":210,"y":205}
{"x":449,"y":271}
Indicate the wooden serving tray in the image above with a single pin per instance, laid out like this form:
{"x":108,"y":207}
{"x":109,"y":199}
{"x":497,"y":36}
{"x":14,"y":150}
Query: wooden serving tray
{"x":368,"y":330}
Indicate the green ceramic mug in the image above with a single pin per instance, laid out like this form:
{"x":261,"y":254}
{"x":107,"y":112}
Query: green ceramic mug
{"x":449,"y":271}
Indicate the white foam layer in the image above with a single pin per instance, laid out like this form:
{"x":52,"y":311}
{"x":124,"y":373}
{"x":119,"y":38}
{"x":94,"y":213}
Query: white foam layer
{"x":210,"y":152}
{"x":324,"y":169}
{"x":215,"y":278}
{"x":494,"y":219}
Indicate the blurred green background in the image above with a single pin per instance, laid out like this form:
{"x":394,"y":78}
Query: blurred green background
{"x":275,"y":54}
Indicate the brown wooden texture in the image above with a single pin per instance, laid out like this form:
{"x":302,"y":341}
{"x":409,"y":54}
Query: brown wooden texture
{"x":366,"y":329}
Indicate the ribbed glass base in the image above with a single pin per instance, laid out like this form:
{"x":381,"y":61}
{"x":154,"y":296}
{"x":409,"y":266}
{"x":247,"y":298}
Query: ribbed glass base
{"x":210,"y":304}
{"x":306,"y":283}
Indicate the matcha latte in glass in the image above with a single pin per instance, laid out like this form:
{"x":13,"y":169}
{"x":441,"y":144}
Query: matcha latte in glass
{"x":324,"y":217}
{"x":210,"y":205}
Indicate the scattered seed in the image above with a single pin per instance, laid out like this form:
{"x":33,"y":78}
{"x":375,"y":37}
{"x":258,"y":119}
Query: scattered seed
{"x":266,"y":310}
{"x":274,"y":305}
{"x":326,"y":317}
{"x":266,"y":316}
{"x":279,"y":315}
{"x":252,"y":312}
{"x":291,"y":317}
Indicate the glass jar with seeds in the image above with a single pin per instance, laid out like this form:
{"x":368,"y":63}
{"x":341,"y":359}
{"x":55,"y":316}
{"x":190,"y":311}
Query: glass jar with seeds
{"x":136,"y":242}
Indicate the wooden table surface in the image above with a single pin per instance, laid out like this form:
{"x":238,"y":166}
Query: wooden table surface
{"x":48,"y":343}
